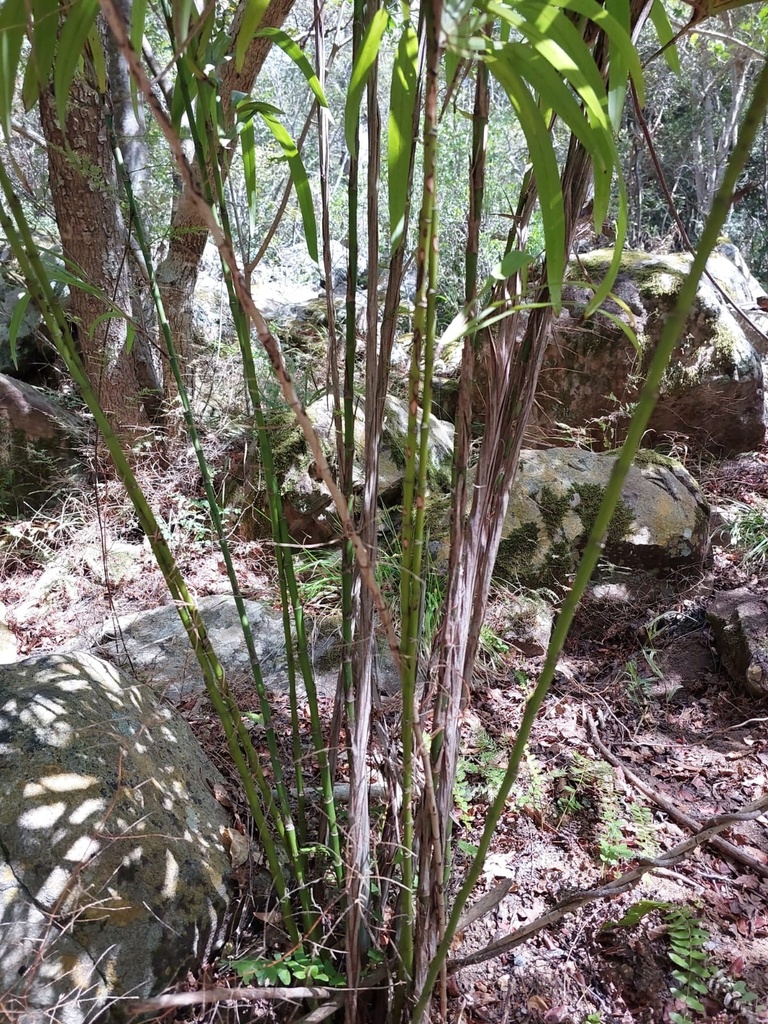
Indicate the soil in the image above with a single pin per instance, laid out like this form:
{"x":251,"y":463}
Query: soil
{"x":640,"y":726}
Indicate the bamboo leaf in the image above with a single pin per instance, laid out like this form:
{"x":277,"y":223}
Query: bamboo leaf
{"x":181,"y":16}
{"x":252,"y":18}
{"x":300,"y":181}
{"x":98,"y":60}
{"x":369,"y":50}
{"x":13,"y":20}
{"x":292,"y":49}
{"x":547,"y":20}
{"x":247,"y":108}
{"x":666,"y":34}
{"x":15,"y":324}
{"x":622,"y":222}
{"x":401,"y":106}
{"x":74,"y":35}
{"x":546,"y":81}
{"x":43,"y":37}
{"x":556,"y":38}
{"x":248,"y":149}
{"x":617,"y":69}
{"x":512,"y":263}
{"x":545,"y":166}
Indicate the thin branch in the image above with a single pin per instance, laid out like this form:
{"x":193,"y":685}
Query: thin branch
{"x":671,"y":808}
{"x":268,"y":340}
{"x":672,"y":207}
{"x":725,"y":38}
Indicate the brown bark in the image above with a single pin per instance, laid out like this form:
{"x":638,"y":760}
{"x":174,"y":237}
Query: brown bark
{"x":177,"y":274}
{"x":85,"y":196}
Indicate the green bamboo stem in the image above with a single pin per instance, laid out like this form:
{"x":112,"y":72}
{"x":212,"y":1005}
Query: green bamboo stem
{"x":284,"y":824}
{"x":415,"y":479}
{"x":638,"y":425}
{"x":25,"y":250}
{"x":289,"y":592}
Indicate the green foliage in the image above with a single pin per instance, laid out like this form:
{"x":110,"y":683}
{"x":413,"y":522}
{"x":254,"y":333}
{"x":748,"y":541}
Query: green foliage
{"x":623,"y":827}
{"x":749,"y":530}
{"x":479,"y":772}
{"x":694,"y":973}
{"x":687,"y":942}
{"x":552,"y":77}
{"x":299,"y":968}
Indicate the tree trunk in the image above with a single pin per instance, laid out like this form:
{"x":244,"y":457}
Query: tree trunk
{"x":85,"y":195}
{"x":177,"y":274}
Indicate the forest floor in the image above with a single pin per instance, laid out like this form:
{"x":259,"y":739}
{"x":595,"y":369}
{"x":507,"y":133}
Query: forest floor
{"x":640,"y":729}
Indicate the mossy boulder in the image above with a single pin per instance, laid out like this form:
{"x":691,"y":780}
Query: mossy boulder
{"x":114,"y":878}
{"x":712,"y":392}
{"x":306,"y":499}
{"x":739,"y":620}
{"x":38,"y":446}
{"x":661,"y":522}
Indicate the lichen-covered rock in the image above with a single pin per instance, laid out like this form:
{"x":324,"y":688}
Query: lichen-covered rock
{"x":661,"y":521}
{"x":113,"y":876}
{"x":739,"y":620}
{"x":38,"y":441}
{"x":712,"y":391}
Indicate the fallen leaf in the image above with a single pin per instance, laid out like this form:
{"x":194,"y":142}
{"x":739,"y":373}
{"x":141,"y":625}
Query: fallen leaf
{"x":237,"y":846}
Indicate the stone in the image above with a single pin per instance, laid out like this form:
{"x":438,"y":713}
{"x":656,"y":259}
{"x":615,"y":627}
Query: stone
{"x":307,"y":503}
{"x":114,"y":879}
{"x":712,"y":393}
{"x":524,"y":621}
{"x":156,"y":647}
{"x":739,"y":620}
{"x":660,"y":524}
{"x":157,"y":650}
{"x":38,"y":446}
{"x":31,"y":351}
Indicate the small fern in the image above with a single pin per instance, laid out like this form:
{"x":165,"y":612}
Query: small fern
{"x":694,"y":970}
{"x":694,"y":974}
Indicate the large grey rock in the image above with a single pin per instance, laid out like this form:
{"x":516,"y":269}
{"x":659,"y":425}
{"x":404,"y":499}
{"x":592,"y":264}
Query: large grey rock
{"x":661,"y":521}
{"x":712,"y":391}
{"x":113,"y":876}
{"x":156,"y":647}
{"x":38,"y":446}
{"x":739,"y":620}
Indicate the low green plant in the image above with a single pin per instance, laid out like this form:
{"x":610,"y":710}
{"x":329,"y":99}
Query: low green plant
{"x":624,"y":827}
{"x":638,"y":681}
{"x":749,"y":530}
{"x":479,"y":772}
{"x":694,"y":973}
{"x":318,"y":575}
{"x":299,"y":967}
{"x":493,"y":651}
{"x":693,"y":969}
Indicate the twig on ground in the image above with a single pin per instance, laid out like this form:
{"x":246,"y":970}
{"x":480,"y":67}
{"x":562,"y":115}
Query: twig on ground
{"x":673,"y":811}
{"x":628,"y":880}
{"x":220,"y":995}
